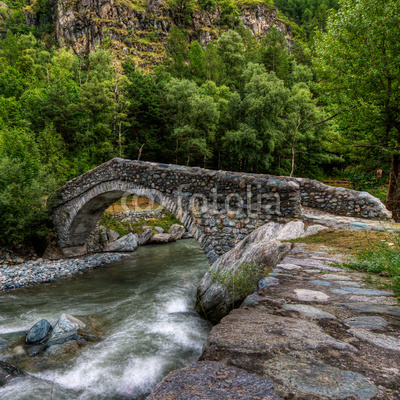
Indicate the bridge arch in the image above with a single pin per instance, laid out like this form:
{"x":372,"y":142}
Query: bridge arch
{"x":219,"y":208}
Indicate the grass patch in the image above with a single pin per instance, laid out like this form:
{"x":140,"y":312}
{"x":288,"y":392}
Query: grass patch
{"x":376,"y":253}
{"x":348,"y":242}
{"x":240,"y":282}
{"x":109,"y":222}
{"x":164,"y":222}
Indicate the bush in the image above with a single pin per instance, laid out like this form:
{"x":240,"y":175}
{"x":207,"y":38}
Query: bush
{"x":240,"y":282}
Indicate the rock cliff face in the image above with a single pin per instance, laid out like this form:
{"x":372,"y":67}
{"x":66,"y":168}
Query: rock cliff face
{"x":138,"y":28}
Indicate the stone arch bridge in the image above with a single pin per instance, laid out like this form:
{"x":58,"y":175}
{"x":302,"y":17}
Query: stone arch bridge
{"x":219,"y":208}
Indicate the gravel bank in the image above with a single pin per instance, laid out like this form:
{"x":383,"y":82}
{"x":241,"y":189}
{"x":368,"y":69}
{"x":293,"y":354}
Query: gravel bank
{"x":34,"y":272}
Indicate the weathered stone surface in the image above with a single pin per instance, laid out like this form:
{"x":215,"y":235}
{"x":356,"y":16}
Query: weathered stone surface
{"x":160,"y":238}
{"x":266,"y":282}
{"x":311,"y":295}
{"x":333,"y":277}
{"x":319,"y":282}
{"x":364,"y":308}
{"x":308,"y":311}
{"x":361,"y":291}
{"x":145,"y":237}
{"x":8,"y":372}
{"x":313,"y":378}
{"x":288,"y":267}
{"x":177,"y":231}
{"x":126,"y":243}
{"x":374,"y":323}
{"x":39,"y":332}
{"x":112,"y":235}
{"x":378,"y":339}
{"x":248,"y":335}
{"x":313,"y":229}
{"x":158,"y":229}
{"x":213,"y":381}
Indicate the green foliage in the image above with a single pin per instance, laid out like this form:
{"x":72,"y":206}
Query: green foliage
{"x":108,"y":221}
{"x":24,"y":183}
{"x":381,"y":258}
{"x":164,"y":222}
{"x":240,"y":282}
{"x":359,"y":67}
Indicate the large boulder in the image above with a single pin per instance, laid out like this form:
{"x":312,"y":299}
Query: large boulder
{"x":145,"y":237}
{"x":262,"y":247}
{"x":177,"y":231}
{"x":39,"y":332}
{"x":68,"y":335}
{"x":126,"y":243}
{"x":161,"y":238}
{"x":212,"y":380}
{"x":158,"y":229}
{"x":112,"y":235}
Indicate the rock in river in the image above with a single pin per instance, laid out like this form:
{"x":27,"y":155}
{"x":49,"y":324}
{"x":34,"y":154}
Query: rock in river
{"x":126,"y":243}
{"x":8,"y":372}
{"x":39,"y":332}
{"x":177,"y":231}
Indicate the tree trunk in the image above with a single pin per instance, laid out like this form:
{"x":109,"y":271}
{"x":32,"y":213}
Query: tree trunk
{"x":393,"y":198}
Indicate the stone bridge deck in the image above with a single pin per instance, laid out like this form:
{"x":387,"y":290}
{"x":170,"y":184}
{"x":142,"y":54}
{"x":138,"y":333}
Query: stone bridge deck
{"x":219,"y":208}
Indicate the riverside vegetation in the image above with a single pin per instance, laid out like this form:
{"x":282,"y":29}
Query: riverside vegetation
{"x":241,"y":103}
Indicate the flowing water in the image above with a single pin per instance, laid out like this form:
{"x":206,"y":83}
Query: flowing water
{"x":149,"y":325}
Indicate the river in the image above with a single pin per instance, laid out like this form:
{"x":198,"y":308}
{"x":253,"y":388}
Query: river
{"x":146,"y":310}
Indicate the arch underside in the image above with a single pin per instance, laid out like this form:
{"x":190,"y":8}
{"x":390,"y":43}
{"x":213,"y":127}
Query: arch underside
{"x":84,"y":212}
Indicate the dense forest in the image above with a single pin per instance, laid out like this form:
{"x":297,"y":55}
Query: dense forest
{"x":325,"y":105}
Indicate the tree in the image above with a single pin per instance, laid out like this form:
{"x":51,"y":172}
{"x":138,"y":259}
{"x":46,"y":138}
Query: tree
{"x":194,"y":118}
{"x":358,"y":60}
{"x":274,"y":53}
{"x":197,"y":66}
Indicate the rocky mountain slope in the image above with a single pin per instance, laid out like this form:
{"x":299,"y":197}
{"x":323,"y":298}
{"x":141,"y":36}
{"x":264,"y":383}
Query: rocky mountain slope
{"x":139,"y":28}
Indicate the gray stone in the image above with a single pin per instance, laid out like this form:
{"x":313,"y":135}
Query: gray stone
{"x":333,"y":277}
{"x":311,"y":295}
{"x":278,"y":274}
{"x":160,"y":238}
{"x":126,"y":243}
{"x":177,"y":231}
{"x":361,"y":291}
{"x":267,"y":282}
{"x":313,"y":229}
{"x":323,"y":283}
{"x":145,"y":237}
{"x":288,"y":267}
{"x":251,"y":333}
{"x":347,"y":283}
{"x":378,"y":339}
{"x":39,"y":332}
{"x":158,"y":229}
{"x":374,"y":323}
{"x":112,"y":235}
{"x":67,"y":323}
{"x":209,"y":380}
{"x":314,"y":378}
{"x":308,"y":311}
{"x":364,"y":308}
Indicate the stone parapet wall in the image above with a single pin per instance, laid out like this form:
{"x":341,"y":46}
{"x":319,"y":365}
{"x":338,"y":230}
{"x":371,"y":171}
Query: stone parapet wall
{"x":341,"y":201}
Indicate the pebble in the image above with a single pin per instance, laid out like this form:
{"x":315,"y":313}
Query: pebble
{"x":33,"y":272}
